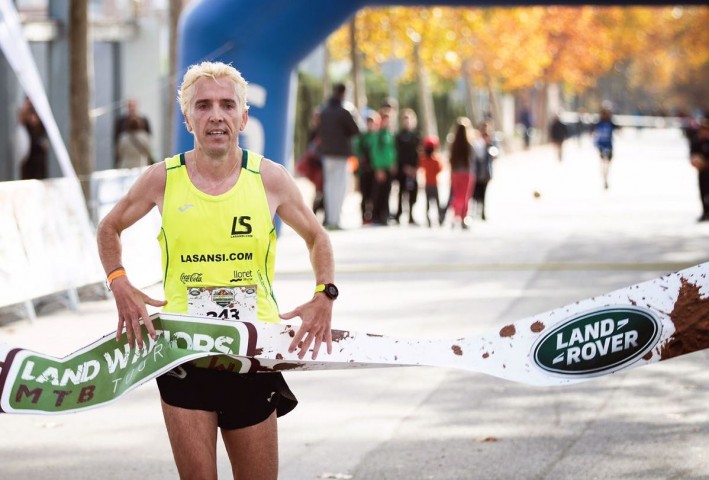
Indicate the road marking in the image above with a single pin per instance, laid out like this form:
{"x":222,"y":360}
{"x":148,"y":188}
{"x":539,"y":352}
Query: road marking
{"x":503,"y":267}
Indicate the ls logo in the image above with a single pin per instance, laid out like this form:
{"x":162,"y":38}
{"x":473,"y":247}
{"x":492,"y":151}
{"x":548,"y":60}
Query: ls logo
{"x":241,"y":226}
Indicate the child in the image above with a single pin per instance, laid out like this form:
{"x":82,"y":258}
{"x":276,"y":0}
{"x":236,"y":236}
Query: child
{"x":383,"y":157}
{"x":363,"y":144}
{"x":431,"y":167}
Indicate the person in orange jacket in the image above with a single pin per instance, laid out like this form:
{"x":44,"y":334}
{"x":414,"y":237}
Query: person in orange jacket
{"x":430,"y":164}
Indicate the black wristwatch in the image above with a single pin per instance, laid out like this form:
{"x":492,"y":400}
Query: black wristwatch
{"x":328,"y":289}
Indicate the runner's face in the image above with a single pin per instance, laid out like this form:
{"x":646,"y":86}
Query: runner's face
{"x":215,"y":116}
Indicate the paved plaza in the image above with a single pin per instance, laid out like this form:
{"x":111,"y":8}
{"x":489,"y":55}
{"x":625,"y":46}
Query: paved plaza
{"x":554,"y":235}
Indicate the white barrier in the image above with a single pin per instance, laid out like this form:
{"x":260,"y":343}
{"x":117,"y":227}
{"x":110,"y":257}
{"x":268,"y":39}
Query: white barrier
{"x":141,"y":251}
{"x":48,"y":242}
{"x":14,"y":265}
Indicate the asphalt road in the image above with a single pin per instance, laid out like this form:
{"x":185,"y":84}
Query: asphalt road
{"x":536,"y":252}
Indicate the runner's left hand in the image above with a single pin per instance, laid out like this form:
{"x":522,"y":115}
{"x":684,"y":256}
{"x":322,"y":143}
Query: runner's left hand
{"x":316,"y":316}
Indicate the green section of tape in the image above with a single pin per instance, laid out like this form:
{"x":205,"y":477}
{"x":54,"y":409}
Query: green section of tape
{"x":107,"y":369}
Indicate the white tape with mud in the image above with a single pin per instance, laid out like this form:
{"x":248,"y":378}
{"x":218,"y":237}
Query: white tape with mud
{"x":630,"y":327}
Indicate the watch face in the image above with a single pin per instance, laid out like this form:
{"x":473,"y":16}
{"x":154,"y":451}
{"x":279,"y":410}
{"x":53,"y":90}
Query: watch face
{"x":331,"y":291}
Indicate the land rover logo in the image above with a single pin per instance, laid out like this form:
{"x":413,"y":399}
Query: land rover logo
{"x":597,"y":341}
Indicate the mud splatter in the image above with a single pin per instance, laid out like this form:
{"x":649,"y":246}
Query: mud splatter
{"x":280,"y":366}
{"x":374,"y":335}
{"x":537,"y":327}
{"x":690,"y":316}
{"x":457,"y":350}
{"x":279,"y":356}
{"x":486,"y":355}
{"x":291,"y":333}
{"x":287,"y":366}
{"x":339,"y":335}
{"x":508,"y":331}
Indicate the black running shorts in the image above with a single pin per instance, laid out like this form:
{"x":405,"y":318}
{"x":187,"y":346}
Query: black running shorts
{"x":240,"y":400}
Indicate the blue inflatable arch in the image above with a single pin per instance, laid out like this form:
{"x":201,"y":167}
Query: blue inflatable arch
{"x":266,"y":40}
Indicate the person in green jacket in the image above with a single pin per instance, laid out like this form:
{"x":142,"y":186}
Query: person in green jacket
{"x":383,"y":160}
{"x":365,"y":172}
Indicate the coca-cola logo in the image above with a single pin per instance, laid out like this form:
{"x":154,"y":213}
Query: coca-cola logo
{"x":186,"y":278}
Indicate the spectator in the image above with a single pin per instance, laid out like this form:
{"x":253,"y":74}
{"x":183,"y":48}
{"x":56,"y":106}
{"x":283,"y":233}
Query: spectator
{"x":309,"y":164}
{"x":462,"y":181}
{"x":431,"y":166}
{"x":699,"y":157}
{"x":603,"y":139}
{"x":35,"y":163}
{"x":133,"y":146}
{"x":482,"y":171}
{"x":364,"y":143}
{"x":407,"y":142}
{"x":557,"y":134}
{"x":337,"y":128}
{"x":383,"y":156}
{"x":121,"y":125}
{"x":527,"y":122}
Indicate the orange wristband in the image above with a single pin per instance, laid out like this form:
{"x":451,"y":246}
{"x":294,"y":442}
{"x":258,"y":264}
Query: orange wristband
{"x":119,"y":272}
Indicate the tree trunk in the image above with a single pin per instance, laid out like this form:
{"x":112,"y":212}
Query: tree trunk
{"x":543,"y":112}
{"x":427,"y":118}
{"x":494,"y":105}
{"x":470,"y":110}
{"x":359,"y":91}
{"x":81,"y":128}
{"x":175,"y":11}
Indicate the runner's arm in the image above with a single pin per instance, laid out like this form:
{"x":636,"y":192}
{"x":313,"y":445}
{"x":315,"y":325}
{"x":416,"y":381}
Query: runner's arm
{"x":145,"y":194}
{"x":316,"y":314}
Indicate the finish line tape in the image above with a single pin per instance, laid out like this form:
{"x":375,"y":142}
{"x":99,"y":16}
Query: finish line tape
{"x":630,"y":327}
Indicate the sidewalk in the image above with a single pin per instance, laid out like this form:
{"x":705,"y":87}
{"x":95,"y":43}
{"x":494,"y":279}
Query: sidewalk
{"x":536,"y":252}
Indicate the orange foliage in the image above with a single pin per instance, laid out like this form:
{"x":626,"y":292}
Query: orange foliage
{"x":518,"y":47}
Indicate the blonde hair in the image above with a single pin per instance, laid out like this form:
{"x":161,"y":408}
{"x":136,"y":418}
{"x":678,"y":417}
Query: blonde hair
{"x":215,"y":71}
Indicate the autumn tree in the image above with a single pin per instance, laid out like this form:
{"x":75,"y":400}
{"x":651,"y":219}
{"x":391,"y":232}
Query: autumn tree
{"x":511,"y":49}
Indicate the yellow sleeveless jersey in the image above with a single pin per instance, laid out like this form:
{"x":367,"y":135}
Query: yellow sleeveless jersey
{"x":218,"y":251}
